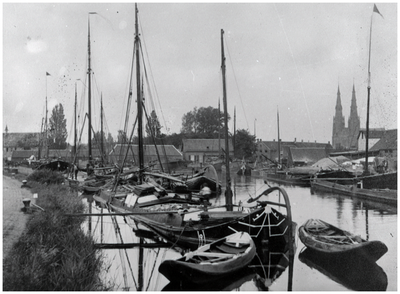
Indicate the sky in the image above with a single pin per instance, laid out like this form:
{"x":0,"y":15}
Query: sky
{"x":280,"y":57}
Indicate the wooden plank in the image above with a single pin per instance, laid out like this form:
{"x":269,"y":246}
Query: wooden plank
{"x":130,"y":245}
{"x":122,"y":213}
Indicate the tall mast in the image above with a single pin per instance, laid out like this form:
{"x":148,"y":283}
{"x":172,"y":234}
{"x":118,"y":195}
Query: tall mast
{"x":228,"y":191}
{"x":279,"y":141}
{"x":219,"y":131}
{"x":40,"y":140}
{"x":375,"y":9}
{"x":45,"y":124}
{"x":368,"y":99}
{"x":75,"y":124}
{"x":139,"y":98}
{"x":89,"y":95}
{"x":101,"y":132}
{"x":234,"y":129}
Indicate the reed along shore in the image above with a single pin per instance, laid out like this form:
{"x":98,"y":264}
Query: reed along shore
{"x":54,"y":253}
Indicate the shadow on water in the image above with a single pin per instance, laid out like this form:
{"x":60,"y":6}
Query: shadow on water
{"x":272,"y":269}
{"x":266,"y":267}
{"x":353,"y":271}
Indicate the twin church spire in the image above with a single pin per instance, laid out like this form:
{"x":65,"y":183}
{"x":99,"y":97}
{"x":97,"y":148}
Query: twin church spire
{"x":342,"y":137}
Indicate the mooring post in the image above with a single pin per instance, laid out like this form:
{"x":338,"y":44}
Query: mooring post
{"x":27,"y":203}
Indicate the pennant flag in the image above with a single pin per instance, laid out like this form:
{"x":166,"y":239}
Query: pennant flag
{"x":377,"y":11}
{"x":47,"y":74}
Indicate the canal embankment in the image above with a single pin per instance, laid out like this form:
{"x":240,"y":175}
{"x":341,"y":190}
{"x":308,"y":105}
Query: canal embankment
{"x":44,"y":249}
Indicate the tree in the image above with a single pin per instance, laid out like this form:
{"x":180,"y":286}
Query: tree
{"x":153,"y":126}
{"x":110,"y":139}
{"x":122,"y":137}
{"x":204,"y":121}
{"x":28,"y":141}
{"x":245,"y":144}
{"x":58,"y":128}
{"x":174,"y":139}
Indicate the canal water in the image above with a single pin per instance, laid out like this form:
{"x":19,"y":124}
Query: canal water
{"x":311,"y":272}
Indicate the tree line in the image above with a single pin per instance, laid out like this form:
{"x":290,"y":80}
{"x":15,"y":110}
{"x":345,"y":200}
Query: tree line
{"x":202,"y":122}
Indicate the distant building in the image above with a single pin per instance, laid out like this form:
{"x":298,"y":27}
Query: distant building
{"x":292,"y":153}
{"x":169,"y":155}
{"x":19,"y":141}
{"x":204,"y":150}
{"x":374,"y":135}
{"x":387,"y":145}
{"x":345,"y":138}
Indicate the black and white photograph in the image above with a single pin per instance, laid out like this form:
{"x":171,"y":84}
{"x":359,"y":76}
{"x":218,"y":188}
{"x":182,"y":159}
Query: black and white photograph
{"x":200,"y":146}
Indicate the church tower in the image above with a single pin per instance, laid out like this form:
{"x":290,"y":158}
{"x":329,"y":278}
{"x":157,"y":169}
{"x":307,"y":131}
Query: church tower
{"x":354,"y":121}
{"x":338,"y":121}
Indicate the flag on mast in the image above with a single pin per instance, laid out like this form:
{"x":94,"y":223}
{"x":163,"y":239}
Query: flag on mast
{"x":377,"y":11}
{"x":47,"y":74}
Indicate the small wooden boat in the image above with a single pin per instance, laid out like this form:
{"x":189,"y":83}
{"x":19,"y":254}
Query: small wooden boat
{"x":214,"y":260}
{"x":323,"y":237}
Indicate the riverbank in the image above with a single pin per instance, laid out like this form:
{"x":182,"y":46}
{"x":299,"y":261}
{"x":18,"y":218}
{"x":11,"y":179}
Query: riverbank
{"x":47,"y":250}
{"x":14,"y":220}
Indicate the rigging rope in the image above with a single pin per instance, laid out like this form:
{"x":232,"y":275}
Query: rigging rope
{"x":152,"y":270}
{"x":297,"y":72}
{"x":237,"y":85}
{"x":151,"y":73}
{"x":118,"y":234}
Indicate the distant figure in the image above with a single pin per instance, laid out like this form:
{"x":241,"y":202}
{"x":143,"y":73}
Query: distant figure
{"x":75,"y":172}
{"x":89,"y":169}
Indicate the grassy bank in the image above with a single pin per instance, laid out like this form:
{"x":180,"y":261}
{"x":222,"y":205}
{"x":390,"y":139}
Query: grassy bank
{"x":54,"y":253}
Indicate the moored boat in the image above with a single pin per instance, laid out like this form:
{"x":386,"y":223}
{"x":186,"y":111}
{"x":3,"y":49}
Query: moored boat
{"x":217,"y":259}
{"x":381,"y":195}
{"x":324,"y":237}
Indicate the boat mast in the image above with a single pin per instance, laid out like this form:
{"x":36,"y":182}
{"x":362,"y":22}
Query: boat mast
{"x":89,"y":95}
{"x":139,"y":98}
{"x":46,"y":128}
{"x":234,"y":129}
{"x":219,"y":131}
{"x":375,"y":9}
{"x":101,"y":132}
{"x":279,"y":141}
{"x":75,"y":124}
{"x":40,"y":140}
{"x":228,"y":191}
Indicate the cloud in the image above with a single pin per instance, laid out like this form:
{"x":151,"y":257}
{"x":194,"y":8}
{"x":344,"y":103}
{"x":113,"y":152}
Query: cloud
{"x":18,"y":107}
{"x":35,"y":46}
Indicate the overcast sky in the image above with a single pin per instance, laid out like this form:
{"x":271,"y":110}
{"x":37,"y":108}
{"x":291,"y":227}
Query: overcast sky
{"x":290,"y":57}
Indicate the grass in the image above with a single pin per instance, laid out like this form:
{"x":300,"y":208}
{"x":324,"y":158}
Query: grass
{"x":54,"y":253}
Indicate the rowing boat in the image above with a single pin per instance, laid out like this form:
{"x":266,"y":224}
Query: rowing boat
{"x":214,"y":260}
{"x":323,"y":237}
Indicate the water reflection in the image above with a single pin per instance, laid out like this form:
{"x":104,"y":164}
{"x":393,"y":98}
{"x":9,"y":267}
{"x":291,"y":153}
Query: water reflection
{"x":375,"y":221}
{"x":266,"y":267}
{"x":354,"y":271}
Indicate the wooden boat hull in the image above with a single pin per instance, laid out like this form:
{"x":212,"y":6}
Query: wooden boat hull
{"x":381,"y":181}
{"x":323,"y":237}
{"x":385,"y":196}
{"x":284,"y":179}
{"x":195,"y":184}
{"x":221,"y":260}
{"x":261,"y":223}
